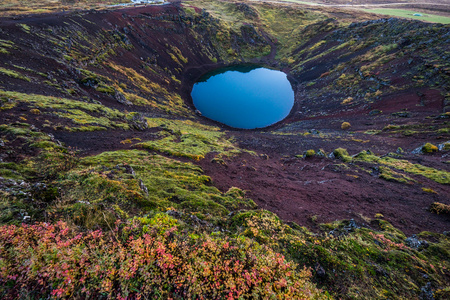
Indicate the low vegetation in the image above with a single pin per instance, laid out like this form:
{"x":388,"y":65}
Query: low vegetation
{"x":15,"y":7}
{"x":440,"y":208}
{"x":189,"y":139}
{"x":345,"y":125}
{"x":440,"y":176}
{"x":148,"y":257}
{"x":410,"y":14}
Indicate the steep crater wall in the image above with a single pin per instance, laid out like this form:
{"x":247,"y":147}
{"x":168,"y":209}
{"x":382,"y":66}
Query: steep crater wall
{"x":145,"y":57}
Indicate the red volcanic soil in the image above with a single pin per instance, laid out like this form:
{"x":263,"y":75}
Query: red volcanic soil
{"x":305,"y":191}
{"x":317,"y":190}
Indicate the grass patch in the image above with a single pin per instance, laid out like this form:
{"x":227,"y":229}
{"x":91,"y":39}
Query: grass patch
{"x":440,"y":208}
{"x":79,"y":112}
{"x":139,"y":182}
{"x":170,"y":102}
{"x":439,"y":176}
{"x":189,"y":139}
{"x":402,"y":13}
{"x":14,"y":74}
{"x":388,"y":174}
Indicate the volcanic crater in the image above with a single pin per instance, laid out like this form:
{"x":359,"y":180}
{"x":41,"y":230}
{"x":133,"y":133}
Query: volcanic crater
{"x":369,"y":97}
{"x":172,"y":48}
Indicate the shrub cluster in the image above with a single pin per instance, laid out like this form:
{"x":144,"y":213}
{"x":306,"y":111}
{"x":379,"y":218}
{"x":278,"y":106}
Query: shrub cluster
{"x":440,"y":208}
{"x":345,"y":125}
{"x":143,"y":258}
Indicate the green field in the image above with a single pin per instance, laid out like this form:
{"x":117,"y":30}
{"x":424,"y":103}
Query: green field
{"x":402,"y":13}
{"x":410,"y":14}
{"x":306,"y":2}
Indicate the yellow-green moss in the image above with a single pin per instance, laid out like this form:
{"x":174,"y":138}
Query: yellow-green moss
{"x":439,"y":176}
{"x":342,"y":153}
{"x":189,"y":139}
{"x":429,"y":148}
{"x":440,"y":208}
{"x":428,"y":190}
{"x":345,"y":125}
{"x":310,"y":153}
{"x":107,"y":179}
{"x":77,"y":111}
{"x":14,"y":74}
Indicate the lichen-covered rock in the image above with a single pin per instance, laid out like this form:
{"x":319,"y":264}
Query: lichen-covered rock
{"x":120,"y":97}
{"x":137,"y":121}
{"x":340,"y":153}
{"x":444,"y":146}
{"x":415,"y":243}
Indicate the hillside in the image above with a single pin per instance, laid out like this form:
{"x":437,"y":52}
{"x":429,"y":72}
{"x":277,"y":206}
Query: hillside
{"x":111,"y":185}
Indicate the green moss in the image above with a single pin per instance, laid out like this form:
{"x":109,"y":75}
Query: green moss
{"x":11,"y":170}
{"x":365,"y":262}
{"x":428,"y":190}
{"x":390,"y":175}
{"x":440,"y":208}
{"x":6,"y":43}
{"x":88,"y":128}
{"x":107,"y":180}
{"x":310,"y":153}
{"x":12,"y":208}
{"x":13,"y":74}
{"x":263,"y":226}
{"x":46,"y":145}
{"x":148,"y":92}
{"x":6,"y":103}
{"x":77,"y":111}
{"x":25,"y":27}
{"x":372,"y":132}
{"x":49,"y":160}
{"x":345,"y":125}
{"x":234,"y":199}
{"x":19,"y":130}
{"x":103,"y":88}
{"x":439,"y":176}
{"x":342,"y":153}
{"x":429,"y":148}
{"x":189,"y":139}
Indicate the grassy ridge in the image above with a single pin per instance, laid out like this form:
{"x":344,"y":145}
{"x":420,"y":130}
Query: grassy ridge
{"x":14,"y":7}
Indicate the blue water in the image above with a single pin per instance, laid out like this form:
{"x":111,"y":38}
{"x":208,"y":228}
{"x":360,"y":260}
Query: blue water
{"x":244,"y":97}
